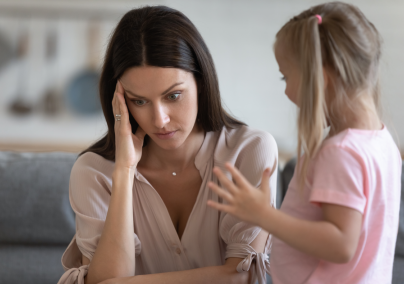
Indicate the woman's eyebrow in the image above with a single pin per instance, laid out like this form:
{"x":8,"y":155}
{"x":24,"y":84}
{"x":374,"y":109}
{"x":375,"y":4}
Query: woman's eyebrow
{"x":134,"y":95}
{"x":166,"y":91}
{"x":172,"y":86}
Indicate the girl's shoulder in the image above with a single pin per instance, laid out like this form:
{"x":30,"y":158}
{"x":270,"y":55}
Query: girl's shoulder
{"x":362,"y":145}
{"x":359,"y":139}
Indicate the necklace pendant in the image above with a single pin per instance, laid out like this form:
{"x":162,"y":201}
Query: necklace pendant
{"x":174,"y":173}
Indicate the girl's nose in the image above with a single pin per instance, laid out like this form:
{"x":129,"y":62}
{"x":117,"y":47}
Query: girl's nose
{"x":161,"y":117}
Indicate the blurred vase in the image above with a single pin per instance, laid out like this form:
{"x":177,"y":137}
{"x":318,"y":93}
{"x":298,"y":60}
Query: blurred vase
{"x":82,"y":92}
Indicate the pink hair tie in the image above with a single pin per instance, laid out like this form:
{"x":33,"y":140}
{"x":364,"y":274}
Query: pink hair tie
{"x":320,"y":20}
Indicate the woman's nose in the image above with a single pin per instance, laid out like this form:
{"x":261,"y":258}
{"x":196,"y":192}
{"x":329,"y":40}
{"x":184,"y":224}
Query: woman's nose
{"x":161,"y":117}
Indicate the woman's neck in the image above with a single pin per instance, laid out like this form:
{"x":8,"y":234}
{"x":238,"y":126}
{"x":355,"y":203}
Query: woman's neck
{"x":364,"y":117}
{"x":155,"y":157}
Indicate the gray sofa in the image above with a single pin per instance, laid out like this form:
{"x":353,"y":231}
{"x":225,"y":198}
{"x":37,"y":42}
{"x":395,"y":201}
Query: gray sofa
{"x":37,"y":222}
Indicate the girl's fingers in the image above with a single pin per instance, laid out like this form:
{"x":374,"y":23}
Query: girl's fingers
{"x":237,"y":176}
{"x":265,"y":180}
{"x":221,"y":207}
{"x":228,"y":184}
{"x":273,"y":167}
{"x":266,"y":175}
{"x":221,"y":192}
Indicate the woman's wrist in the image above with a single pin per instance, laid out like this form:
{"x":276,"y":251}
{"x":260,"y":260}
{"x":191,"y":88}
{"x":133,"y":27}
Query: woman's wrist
{"x":121,"y":172}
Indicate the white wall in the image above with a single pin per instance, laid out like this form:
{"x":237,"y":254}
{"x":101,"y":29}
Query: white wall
{"x":239,"y":34}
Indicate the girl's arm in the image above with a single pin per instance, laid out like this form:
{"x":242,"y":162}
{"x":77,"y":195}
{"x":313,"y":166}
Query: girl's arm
{"x":333,"y":239}
{"x":222,"y":274}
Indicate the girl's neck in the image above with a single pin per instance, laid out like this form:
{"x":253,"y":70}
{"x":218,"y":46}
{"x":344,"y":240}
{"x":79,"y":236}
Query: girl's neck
{"x":178,"y":159}
{"x":364,"y":117}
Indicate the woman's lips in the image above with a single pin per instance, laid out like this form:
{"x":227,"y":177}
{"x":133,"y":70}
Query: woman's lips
{"x":166,"y":135}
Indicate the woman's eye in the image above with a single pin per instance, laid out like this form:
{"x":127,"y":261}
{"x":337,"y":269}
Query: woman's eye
{"x":283,"y":78}
{"x":139,"y":102}
{"x":173,"y":97}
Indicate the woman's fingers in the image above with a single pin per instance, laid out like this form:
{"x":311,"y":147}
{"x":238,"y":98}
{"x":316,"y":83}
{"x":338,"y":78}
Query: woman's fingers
{"x":115,"y":104}
{"x":221,"y":192}
{"x":228,"y":184}
{"x":123,"y":109}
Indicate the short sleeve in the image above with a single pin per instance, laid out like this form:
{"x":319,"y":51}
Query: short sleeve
{"x":251,"y":152}
{"x":89,"y":192}
{"x":338,"y":178}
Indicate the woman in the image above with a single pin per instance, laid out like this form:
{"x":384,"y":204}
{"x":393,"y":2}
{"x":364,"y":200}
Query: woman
{"x":140,"y":193}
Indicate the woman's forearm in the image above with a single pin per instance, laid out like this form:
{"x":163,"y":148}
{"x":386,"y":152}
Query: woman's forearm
{"x":207,"y":275}
{"x":115,"y":253}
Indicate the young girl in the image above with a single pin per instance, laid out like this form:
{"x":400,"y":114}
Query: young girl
{"x":338,"y":222}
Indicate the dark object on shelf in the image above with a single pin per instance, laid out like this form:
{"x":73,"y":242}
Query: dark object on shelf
{"x":51,"y":102}
{"x":82,"y":93}
{"x":21,"y":107}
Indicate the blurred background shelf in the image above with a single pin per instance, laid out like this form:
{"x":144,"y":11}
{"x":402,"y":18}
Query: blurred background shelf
{"x":50,"y":43}
{"x":74,"y":9}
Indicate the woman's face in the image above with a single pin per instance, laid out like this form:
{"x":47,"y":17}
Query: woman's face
{"x":163,"y":101}
{"x":290,"y":71}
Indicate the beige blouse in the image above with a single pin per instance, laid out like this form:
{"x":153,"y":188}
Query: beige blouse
{"x":210,"y":236}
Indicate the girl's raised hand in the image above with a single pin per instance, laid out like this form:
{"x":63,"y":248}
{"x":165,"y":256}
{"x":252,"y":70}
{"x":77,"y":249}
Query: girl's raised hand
{"x":128,"y":146}
{"x":243,"y":200}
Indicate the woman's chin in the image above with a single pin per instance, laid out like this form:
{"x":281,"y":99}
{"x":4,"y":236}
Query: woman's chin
{"x":168,"y":144}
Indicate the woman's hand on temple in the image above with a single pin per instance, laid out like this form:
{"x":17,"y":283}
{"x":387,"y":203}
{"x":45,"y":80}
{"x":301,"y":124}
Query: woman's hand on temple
{"x":128,"y":146}
{"x":243,"y":200}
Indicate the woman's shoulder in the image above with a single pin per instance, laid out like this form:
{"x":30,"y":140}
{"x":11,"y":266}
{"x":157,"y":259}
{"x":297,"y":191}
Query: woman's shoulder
{"x":245,"y":146}
{"x":90,"y":180}
{"x":90,"y":162}
{"x":245,"y":138}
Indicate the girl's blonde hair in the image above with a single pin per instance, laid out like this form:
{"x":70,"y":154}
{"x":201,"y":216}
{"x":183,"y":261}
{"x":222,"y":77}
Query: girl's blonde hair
{"x":348,"y":46}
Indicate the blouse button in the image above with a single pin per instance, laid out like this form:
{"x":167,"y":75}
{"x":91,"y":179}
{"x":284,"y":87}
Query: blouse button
{"x":178,"y":251}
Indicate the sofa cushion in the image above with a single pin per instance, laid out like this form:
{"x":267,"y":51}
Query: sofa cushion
{"x":34,"y":198}
{"x":398,"y":270}
{"x":30,"y":264}
{"x":400,"y":235}
{"x":287,"y":174}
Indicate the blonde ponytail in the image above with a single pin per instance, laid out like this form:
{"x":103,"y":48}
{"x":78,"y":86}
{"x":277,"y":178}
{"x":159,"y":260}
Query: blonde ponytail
{"x":313,"y":109}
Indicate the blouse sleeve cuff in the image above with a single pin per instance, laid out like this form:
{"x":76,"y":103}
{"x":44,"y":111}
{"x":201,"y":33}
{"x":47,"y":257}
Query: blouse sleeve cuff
{"x":248,"y":254}
{"x":74,"y":275}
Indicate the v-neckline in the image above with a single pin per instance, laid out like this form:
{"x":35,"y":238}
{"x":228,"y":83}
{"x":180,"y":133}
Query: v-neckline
{"x":199,"y":161}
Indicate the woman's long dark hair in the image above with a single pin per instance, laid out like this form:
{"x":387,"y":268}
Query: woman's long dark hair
{"x":162,"y":37}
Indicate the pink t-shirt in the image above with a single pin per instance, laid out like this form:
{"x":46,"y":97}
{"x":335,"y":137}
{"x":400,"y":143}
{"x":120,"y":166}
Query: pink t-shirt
{"x":359,"y":169}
